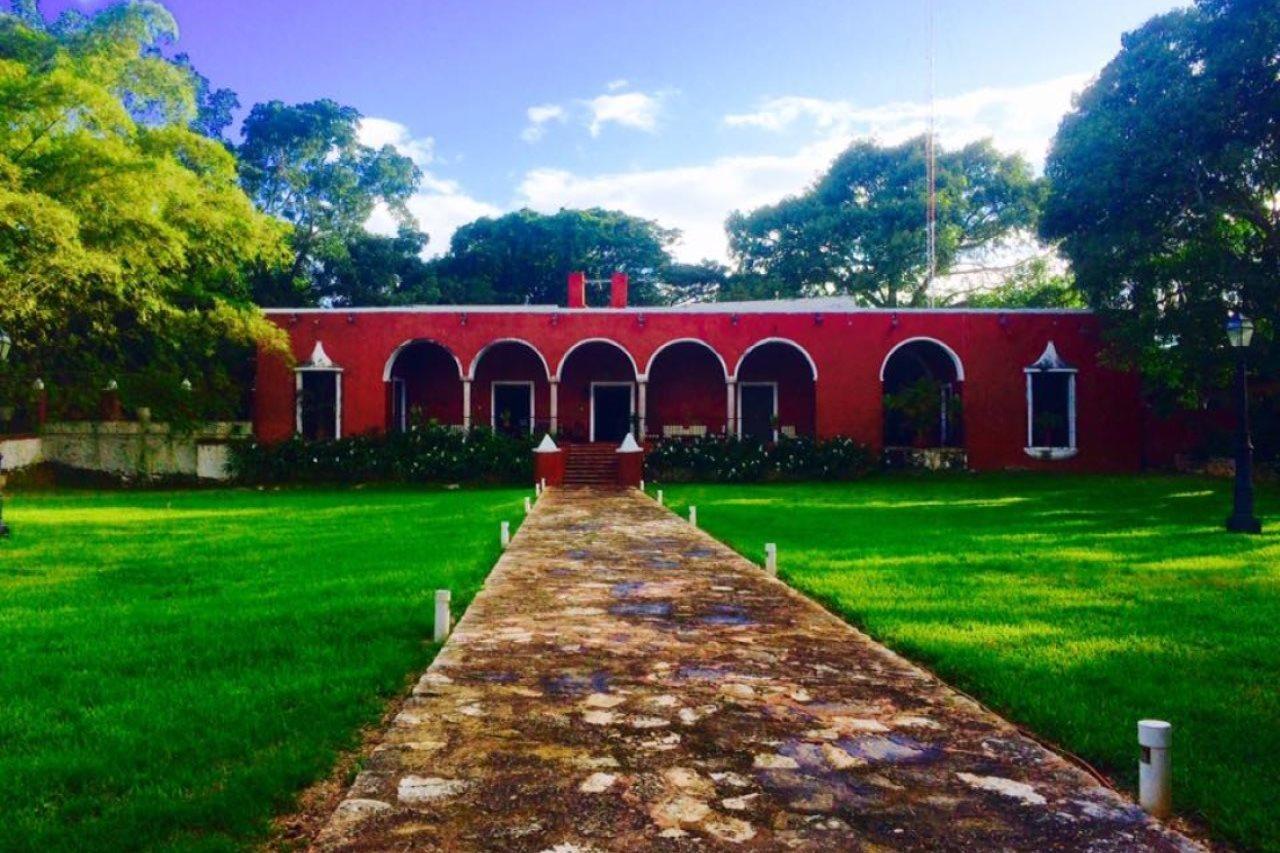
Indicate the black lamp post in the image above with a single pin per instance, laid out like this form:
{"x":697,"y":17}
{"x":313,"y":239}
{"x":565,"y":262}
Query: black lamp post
{"x":6,"y":343}
{"x":1242,"y":520}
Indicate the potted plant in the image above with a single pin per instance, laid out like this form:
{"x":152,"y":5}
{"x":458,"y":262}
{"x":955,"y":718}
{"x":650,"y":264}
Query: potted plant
{"x":919,"y":405}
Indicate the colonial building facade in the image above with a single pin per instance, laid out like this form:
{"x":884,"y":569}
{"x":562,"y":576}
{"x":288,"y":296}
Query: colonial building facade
{"x":1015,"y":388}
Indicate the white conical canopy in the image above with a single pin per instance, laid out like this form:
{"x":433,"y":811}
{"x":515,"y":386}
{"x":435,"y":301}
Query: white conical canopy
{"x":319,"y":358}
{"x":629,"y":445}
{"x":546,"y":445}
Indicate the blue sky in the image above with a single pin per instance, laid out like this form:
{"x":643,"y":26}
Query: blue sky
{"x":679,"y":111}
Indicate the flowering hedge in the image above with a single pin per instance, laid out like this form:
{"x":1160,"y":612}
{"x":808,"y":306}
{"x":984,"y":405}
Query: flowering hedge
{"x":427,"y":453}
{"x":725,"y":459}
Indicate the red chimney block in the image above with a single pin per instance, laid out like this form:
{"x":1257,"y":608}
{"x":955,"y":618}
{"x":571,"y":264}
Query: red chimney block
{"x":577,"y":290}
{"x":618,"y":290}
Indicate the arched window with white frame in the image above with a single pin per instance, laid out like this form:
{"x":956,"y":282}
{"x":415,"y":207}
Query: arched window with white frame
{"x":1051,"y":407}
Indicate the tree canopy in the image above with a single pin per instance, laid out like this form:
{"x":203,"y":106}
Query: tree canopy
{"x":305,"y":164}
{"x":123,"y":244}
{"x":861,"y":228}
{"x":526,"y":257}
{"x":1166,"y":188}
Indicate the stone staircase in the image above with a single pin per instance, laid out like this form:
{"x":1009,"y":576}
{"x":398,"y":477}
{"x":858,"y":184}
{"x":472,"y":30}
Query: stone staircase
{"x":593,"y":464}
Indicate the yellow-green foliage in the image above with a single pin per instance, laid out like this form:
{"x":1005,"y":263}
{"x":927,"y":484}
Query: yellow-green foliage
{"x":124,"y":244}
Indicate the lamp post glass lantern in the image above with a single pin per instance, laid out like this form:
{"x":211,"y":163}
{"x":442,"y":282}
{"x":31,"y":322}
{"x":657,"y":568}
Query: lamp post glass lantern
{"x":1242,"y":519}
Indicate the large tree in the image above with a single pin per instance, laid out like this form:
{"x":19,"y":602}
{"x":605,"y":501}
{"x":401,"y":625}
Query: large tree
{"x":123,"y":244}
{"x":1166,"y":188}
{"x":861,"y":229}
{"x":526,"y":257}
{"x":378,"y":270}
{"x":305,"y":164}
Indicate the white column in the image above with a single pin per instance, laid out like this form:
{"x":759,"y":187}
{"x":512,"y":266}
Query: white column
{"x":731,"y":404}
{"x":555,"y":404}
{"x":642,"y":407}
{"x":466,"y":404}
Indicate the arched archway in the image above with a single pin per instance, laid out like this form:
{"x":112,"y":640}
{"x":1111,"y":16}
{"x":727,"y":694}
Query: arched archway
{"x":597,"y":396}
{"x":511,"y":387}
{"x":776,"y":391}
{"x":922,"y":378}
{"x":424,"y":383}
{"x":687,"y":390}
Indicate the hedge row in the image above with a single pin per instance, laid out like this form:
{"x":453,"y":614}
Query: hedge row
{"x":734,"y":460}
{"x":429,"y":453}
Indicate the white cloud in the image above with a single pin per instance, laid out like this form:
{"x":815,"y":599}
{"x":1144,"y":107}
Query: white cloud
{"x":377,"y":132}
{"x":539,"y":115}
{"x":697,"y":198}
{"x":615,"y":85}
{"x":635,"y":110}
{"x":1020,"y":118}
{"x":440,"y":205}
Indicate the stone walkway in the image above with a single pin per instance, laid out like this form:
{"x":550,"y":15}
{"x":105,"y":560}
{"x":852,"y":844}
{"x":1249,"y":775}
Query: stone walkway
{"x":625,"y":682}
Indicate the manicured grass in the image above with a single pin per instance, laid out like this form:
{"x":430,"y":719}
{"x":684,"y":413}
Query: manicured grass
{"x":1075,"y":605}
{"x":177,"y":665}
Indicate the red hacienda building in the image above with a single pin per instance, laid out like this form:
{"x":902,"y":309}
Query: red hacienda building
{"x":1021,"y":388}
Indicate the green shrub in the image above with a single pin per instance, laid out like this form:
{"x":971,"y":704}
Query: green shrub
{"x":426,"y":453}
{"x":721,"y":458}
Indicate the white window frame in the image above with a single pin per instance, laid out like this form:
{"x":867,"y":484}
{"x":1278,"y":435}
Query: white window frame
{"x":773,"y":415}
{"x":493,"y":401}
{"x":1053,"y":453}
{"x":337,"y":397}
{"x":591,"y":425}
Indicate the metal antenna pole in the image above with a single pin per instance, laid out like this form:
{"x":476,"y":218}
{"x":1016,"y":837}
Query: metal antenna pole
{"x":931,"y":155}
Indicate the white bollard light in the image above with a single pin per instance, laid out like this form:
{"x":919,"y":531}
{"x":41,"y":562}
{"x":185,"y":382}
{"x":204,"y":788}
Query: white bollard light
{"x":1155,"y":788}
{"x":528,"y":505}
{"x":505,"y":534}
{"x":543,"y":483}
{"x":444,"y":618}
{"x":693,"y":516}
{"x":771,"y":558}
{"x":659,"y":497}
{"x":642,"y":485}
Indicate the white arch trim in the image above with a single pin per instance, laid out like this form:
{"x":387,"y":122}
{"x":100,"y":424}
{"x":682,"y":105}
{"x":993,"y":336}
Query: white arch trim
{"x":565,"y":358}
{"x":649,"y":367}
{"x":804,"y":352}
{"x":955,"y":359}
{"x":475,"y":362}
{"x":395,"y":353}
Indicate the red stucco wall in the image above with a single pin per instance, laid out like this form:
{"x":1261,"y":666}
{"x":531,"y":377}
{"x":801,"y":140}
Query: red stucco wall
{"x":846,"y":347}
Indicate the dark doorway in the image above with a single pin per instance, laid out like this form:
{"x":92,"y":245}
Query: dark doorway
{"x":759,"y":409}
{"x":512,"y":407}
{"x":611,"y":411}
{"x":318,"y":405}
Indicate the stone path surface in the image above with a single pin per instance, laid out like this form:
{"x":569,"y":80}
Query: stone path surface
{"x":625,"y":682}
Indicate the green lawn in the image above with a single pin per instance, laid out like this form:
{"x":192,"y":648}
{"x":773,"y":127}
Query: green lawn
{"x":1075,"y":605}
{"x":177,"y":665}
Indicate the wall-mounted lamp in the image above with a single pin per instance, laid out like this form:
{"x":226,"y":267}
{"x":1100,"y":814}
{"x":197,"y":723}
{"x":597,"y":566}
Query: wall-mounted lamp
{"x":293,"y":319}
{"x":734,"y":318}
{"x":893,"y":320}
{"x":351,"y":318}
{"x":462,"y":318}
{"x":640,"y":321}
{"x":1003,"y":320}
{"x":817,"y":319}
{"x":555,"y":319}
